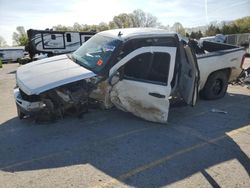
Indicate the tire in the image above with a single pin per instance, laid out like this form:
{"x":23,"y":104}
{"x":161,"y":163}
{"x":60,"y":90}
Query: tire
{"x":20,"y":114}
{"x":18,"y":60}
{"x":216,"y":86}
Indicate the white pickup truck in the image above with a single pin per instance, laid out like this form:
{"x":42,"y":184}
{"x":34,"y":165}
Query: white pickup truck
{"x":137,"y":70}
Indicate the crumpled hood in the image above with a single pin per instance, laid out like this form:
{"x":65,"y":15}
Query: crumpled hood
{"x":49,"y":73}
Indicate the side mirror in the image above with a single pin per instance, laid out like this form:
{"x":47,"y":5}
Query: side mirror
{"x":114,"y":78}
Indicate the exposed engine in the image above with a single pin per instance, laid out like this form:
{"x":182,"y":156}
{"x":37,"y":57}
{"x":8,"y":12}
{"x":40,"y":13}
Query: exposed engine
{"x":70,"y":99}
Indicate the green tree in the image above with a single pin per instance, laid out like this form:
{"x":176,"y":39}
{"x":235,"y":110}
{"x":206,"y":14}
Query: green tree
{"x":2,"y":42}
{"x":230,"y":29}
{"x":212,"y":30}
{"x":123,"y":21}
{"x":77,"y":27}
{"x":177,"y":27}
{"x":137,"y":18}
{"x":62,"y":28}
{"x":103,"y":26}
{"x":20,"y":37}
{"x":86,"y":27}
{"x":143,"y":19}
{"x":193,"y":35}
{"x":112,"y":25}
{"x":243,"y":24}
{"x":196,"y":35}
{"x":199,"y":34}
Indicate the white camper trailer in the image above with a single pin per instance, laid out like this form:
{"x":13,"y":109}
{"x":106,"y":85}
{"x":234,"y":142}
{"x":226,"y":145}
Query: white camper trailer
{"x":55,"y":42}
{"x":11,"y":53}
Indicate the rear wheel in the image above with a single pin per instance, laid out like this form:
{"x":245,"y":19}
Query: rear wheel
{"x":216,"y":86}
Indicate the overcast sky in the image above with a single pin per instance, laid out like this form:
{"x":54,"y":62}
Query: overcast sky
{"x":42,"y":14}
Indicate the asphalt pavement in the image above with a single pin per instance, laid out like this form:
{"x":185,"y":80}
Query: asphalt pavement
{"x":198,"y":147}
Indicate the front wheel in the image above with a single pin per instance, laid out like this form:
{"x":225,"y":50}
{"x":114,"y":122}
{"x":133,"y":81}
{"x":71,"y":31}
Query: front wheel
{"x":20,"y":114}
{"x":216,"y":86}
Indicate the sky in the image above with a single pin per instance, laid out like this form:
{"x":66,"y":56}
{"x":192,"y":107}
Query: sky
{"x":42,"y":14}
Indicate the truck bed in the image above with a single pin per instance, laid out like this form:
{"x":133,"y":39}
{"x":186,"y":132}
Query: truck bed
{"x":218,"y":56}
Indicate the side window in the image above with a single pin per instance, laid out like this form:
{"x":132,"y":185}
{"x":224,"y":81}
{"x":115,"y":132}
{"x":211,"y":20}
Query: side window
{"x":53,"y":37}
{"x":68,"y":37}
{"x":164,"y":41}
{"x":126,"y":49}
{"x":144,"y":42}
{"x":137,"y":67}
{"x":160,"y":68}
{"x":133,"y":45}
{"x":86,"y":38}
{"x":149,"y":67}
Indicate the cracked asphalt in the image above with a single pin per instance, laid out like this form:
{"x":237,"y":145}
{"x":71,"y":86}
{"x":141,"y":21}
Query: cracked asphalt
{"x":197,"y":148}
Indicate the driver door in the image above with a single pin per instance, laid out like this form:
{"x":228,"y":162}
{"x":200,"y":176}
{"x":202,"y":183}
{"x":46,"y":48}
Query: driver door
{"x":143,"y":87}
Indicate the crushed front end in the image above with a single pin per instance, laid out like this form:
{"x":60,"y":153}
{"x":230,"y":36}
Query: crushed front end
{"x":71,"y":99}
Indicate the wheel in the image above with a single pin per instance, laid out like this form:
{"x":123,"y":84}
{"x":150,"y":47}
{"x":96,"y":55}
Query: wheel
{"x":20,"y":114}
{"x":18,"y":60}
{"x":216,"y":86}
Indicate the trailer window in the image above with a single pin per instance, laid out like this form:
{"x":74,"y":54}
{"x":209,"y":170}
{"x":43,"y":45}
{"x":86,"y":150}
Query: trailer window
{"x":53,"y":37}
{"x":68,"y":36}
{"x":86,"y":38}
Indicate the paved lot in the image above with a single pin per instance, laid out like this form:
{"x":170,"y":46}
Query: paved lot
{"x":197,"y":148}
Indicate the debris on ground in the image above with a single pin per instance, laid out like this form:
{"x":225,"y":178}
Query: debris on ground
{"x":243,"y":79}
{"x":218,"y":111}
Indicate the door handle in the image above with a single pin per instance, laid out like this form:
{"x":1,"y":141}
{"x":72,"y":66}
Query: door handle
{"x":157,"y":95}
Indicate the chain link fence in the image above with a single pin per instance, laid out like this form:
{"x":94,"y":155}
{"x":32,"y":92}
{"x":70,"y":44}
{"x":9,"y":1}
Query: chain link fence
{"x":239,"y":40}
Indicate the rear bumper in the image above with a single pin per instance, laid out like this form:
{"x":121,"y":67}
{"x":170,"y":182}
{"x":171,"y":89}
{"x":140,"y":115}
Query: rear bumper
{"x":26,"y":107}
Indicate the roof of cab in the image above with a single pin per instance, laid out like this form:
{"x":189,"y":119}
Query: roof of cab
{"x":124,"y":34}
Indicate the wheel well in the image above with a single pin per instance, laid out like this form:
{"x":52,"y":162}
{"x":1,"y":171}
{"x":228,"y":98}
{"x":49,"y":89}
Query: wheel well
{"x":207,"y":92}
{"x":227,"y":70}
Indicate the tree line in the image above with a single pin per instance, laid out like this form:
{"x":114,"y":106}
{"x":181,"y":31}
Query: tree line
{"x":139,"y":18}
{"x":241,"y":25}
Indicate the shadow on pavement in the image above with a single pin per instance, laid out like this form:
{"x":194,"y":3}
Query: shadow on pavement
{"x":133,"y":151}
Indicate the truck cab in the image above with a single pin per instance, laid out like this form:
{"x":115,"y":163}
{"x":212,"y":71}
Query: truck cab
{"x":149,"y":67}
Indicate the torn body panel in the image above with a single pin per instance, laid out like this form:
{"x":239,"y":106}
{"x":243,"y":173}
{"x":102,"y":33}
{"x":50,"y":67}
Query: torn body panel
{"x":135,"y":97}
{"x":145,"y":93}
{"x":101,"y":94}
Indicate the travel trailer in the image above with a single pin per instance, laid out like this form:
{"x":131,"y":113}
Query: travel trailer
{"x":11,"y":53}
{"x":55,"y":42}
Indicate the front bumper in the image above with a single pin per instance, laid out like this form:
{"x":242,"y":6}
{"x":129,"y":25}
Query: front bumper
{"x":26,"y":107}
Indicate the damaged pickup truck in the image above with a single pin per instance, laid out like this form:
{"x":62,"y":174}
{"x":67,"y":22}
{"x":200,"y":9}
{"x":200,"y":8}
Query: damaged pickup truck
{"x":137,"y":70}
